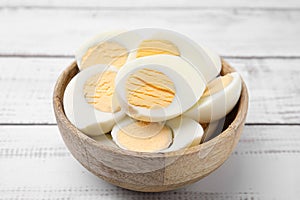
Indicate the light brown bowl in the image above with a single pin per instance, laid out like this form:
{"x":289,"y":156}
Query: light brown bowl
{"x":149,"y":172}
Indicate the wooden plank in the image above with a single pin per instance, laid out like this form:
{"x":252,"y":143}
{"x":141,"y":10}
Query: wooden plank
{"x":35,"y":164}
{"x":26,"y":89}
{"x":273,"y":89}
{"x":153,"y":4}
{"x":27,"y":85}
{"x":231,"y":32}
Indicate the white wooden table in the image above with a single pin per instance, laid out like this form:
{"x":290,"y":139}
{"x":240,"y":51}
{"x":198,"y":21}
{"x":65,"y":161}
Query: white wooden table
{"x":261,"y":39}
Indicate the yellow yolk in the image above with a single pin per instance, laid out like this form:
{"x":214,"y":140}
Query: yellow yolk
{"x":217,"y":85}
{"x":153,"y":47}
{"x":99,"y":89}
{"x":138,"y":128}
{"x":150,"y":89}
{"x":110,"y":53}
{"x":154,"y":142}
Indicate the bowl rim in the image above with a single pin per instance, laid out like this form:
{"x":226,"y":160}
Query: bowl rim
{"x":59,"y":113}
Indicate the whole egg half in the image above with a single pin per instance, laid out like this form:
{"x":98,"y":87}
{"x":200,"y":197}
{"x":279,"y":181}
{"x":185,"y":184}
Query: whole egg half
{"x":175,"y":134}
{"x":89,"y":100}
{"x":219,"y":98}
{"x":107,"y":48}
{"x":153,"y":41}
{"x":159,"y":87}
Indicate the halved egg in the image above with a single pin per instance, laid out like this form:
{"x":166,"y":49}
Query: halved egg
{"x":107,"y":48}
{"x":187,"y":133}
{"x":159,"y":87}
{"x":160,"y":41}
{"x":154,"y":47}
{"x":215,"y":58}
{"x":89,"y":100}
{"x":219,"y":98}
{"x":175,"y":134}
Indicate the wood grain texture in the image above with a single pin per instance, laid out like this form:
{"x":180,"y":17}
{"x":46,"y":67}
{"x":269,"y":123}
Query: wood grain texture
{"x":35,"y":164}
{"x":27,"y":85}
{"x":153,"y":4}
{"x":231,"y":32}
{"x":150,"y":172}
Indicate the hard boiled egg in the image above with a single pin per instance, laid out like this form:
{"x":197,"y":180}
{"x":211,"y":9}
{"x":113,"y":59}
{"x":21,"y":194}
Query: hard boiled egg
{"x":175,"y":134}
{"x":159,"y":87}
{"x":219,"y":98}
{"x":110,"y":48}
{"x":215,"y":58}
{"x":187,"y":132}
{"x":160,"y":41}
{"x":118,"y":47}
{"x":89,"y":100}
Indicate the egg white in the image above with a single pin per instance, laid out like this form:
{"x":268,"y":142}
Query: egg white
{"x":218,"y":105}
{"x":84,"y":116}
{"x":189,"y":86}
{"x":97,"y":39}
{"x":207,"y":62}
{"x":127,"y":39}
{"x":186,"y":132}
{"x":214,"y":57}
{"x":203,"y":59}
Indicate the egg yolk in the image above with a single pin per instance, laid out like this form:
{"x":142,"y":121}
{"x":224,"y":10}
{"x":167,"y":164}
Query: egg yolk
{"x":217,"y":85}
{"x":137,"y":137}
{"x":153,"y":47}
{"x":99,"y":89}
{"x":150,"y":89}
{"x":110,"y":53}
{"x":138,"y":128}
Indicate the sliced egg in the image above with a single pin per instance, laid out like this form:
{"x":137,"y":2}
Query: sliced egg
{"x":118,"y":47}
{"x":110,"y":48}
{"x":155,"y":88}
{"x":219,"y":98}
{"x":215,"y":58}
{"x":153,"y":47}
{"x":187,"y":133}
{"x":141,"y":136}
{"x":89,"y":100}
{"x":160,"y":41}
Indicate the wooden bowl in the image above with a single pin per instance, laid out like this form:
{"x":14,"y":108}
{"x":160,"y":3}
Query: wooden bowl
{"x":149,"y":172}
